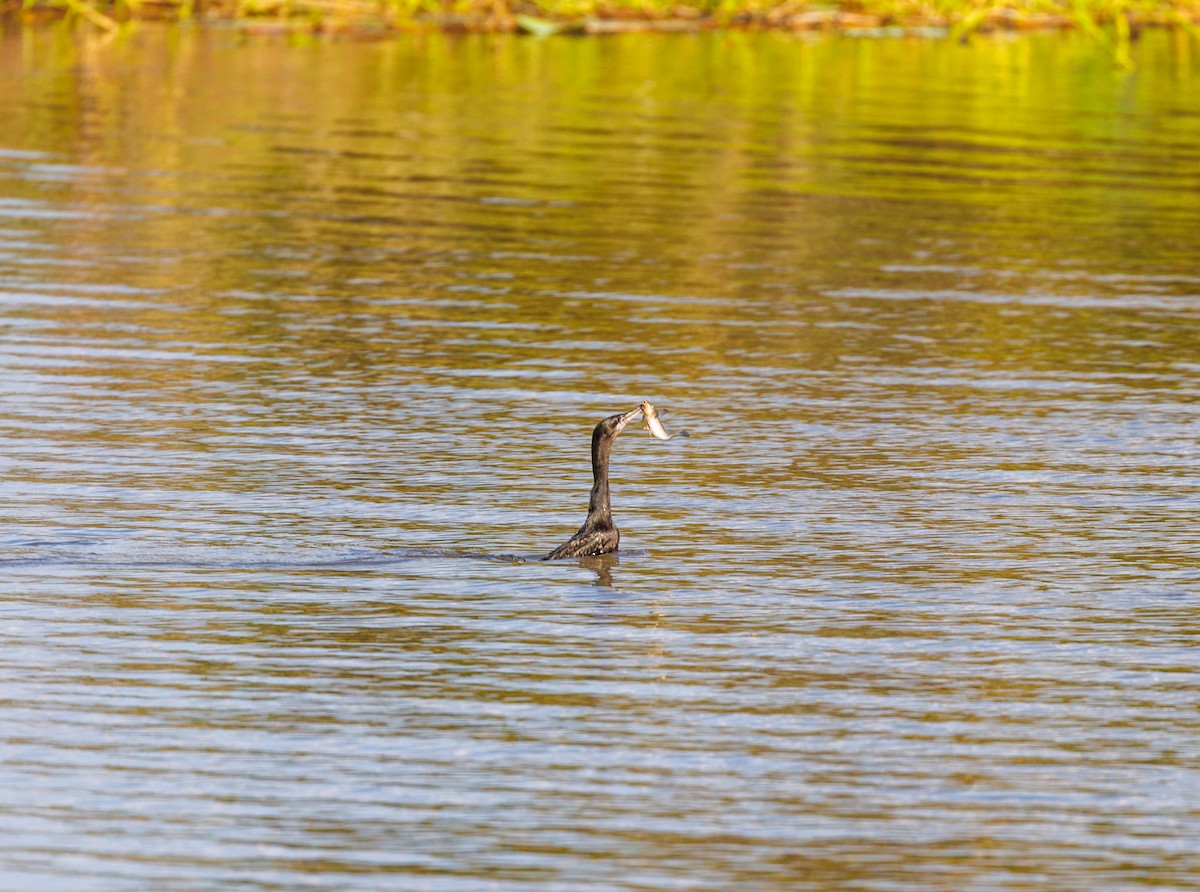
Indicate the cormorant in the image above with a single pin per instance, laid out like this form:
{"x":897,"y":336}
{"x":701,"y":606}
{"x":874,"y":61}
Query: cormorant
{"x":599,"y":534}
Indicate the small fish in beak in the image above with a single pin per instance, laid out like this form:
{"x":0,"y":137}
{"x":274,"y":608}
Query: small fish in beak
{"x":655,"y":425}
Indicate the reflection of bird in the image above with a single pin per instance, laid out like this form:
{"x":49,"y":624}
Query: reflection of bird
{"x":599,"y":534}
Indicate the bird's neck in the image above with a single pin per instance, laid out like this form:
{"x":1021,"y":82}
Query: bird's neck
{"x":599,"y":507}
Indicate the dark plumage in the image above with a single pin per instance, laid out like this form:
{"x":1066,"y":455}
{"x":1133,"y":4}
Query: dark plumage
{"x":598,"y":535}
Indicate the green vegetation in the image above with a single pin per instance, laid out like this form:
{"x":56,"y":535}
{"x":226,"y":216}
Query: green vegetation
{"x":1115,"y":24}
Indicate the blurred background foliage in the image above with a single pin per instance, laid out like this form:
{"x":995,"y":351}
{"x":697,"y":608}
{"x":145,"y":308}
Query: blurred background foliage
{"x":1115,"y":24}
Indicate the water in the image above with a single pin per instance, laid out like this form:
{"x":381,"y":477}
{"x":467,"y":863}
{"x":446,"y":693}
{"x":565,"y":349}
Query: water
{"x":299,"y":343}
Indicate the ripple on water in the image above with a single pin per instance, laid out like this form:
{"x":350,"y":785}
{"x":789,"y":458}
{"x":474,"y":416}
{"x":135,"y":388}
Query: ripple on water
{"x":295,"y":372}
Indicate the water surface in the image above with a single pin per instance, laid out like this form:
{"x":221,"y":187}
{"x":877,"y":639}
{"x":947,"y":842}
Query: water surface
{"x":301,"y":347}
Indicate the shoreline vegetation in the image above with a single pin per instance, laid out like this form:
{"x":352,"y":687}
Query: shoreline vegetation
{"x":1114,"y":24}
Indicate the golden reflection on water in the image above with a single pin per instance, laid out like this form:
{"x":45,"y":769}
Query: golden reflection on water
{"x":292,"y":335}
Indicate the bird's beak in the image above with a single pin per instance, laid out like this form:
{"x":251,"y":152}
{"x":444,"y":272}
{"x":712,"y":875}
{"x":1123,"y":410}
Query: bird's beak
{"x":628,"y":417}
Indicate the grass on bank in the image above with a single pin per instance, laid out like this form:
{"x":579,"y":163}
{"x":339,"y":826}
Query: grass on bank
{"x":1114,"y":24}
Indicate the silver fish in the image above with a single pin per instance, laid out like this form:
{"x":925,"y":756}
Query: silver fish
{"x":655,"y":425}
